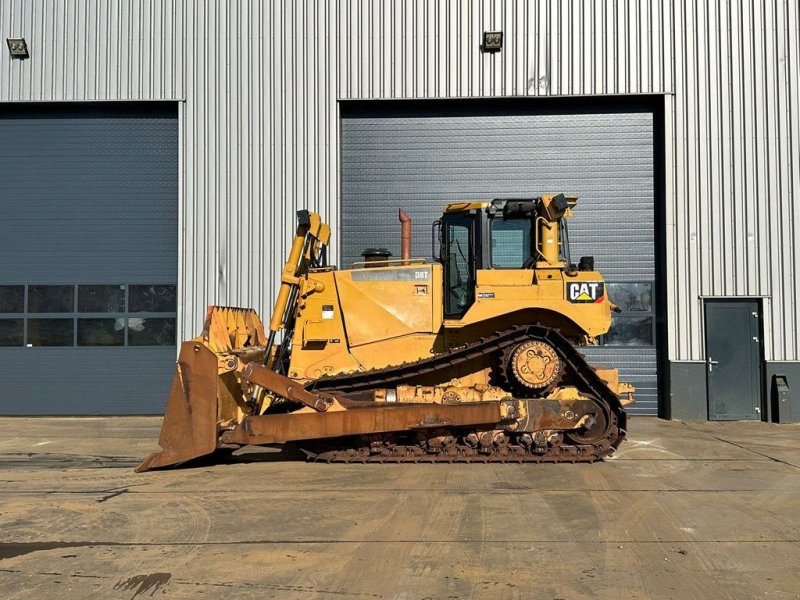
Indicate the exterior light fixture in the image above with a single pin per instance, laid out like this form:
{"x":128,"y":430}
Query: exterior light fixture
{"x":17,"y":47}
{"x":492,"y":41}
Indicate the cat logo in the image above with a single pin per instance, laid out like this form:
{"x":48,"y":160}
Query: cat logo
{"x":585,"y":291}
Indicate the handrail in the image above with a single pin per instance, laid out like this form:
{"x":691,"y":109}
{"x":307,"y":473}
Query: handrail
{"x":390,"y":262}
{"x":536,"y":243}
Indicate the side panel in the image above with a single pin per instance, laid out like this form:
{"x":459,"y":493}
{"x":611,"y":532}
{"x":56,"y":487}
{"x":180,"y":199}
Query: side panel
{"x":388,"y":302}
{"x":501,"y":292}
{"x":319,"y":346}
{"x":367,"y":319}
{"x":688,"y":391}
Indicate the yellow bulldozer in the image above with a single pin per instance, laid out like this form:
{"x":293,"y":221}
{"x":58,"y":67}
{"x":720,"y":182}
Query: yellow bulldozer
{"x":471,"y":356}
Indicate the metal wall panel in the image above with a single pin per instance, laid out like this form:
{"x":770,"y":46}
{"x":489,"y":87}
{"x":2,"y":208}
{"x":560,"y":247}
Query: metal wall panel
{"x":260,"y":117}
{"x":734,"y":173}
{"x":419,"y":49}
{"x":93,"y":50}
{"x":260,"y":140}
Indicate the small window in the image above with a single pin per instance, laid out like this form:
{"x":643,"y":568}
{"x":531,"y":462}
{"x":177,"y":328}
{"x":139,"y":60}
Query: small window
{"x":630,"y":331}
{"x":151,"y":332}
{"x":101,"y":332}
{"x":101,"y":298}
{"x":51,"y":332}
{"x":51,"y":298}
{"x":11,"y":332}
{"x":87,"y":315}
{"x":152,"y":298}
{"x":511,"y":243}
{"x":631,"y":297}
{"x":12,"y":298}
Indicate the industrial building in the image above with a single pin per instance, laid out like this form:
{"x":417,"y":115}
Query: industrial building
{"x":153,"y":154}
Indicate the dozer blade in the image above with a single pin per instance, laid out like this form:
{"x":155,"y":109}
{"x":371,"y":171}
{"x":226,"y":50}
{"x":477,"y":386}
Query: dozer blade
{"x":189,"y":429}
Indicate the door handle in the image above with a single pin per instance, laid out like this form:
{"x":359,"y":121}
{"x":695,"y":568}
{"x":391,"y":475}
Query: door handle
{"x":711,"y":364}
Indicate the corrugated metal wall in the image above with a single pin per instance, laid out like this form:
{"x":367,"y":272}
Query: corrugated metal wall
{"x":260,"y":118}
{"x":734,"y":168}
{"x":419,"y":49}
{"x":94,"y":50}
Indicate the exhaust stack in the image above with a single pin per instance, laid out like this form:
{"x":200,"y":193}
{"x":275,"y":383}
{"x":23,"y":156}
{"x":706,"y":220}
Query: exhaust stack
{"x":405,"y":236}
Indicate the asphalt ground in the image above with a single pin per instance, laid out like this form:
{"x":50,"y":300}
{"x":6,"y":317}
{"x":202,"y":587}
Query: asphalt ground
{"x":703,"y":510}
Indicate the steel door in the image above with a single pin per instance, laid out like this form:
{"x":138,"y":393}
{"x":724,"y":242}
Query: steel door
{"x":419,"y":155}
{"x":89,"y":204}
{"x":733,"y":359}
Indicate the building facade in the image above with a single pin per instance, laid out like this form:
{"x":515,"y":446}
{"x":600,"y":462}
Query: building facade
{"x":677,"y":122}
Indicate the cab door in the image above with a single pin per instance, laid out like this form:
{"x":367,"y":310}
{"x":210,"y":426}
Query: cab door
{"x":458,"y":256}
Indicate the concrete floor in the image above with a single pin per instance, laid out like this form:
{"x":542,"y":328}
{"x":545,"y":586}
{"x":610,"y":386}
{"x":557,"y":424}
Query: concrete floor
{"x":707,"y":510}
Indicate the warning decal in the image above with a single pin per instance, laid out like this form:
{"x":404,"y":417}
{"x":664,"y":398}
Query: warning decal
{"x":585,"y":291}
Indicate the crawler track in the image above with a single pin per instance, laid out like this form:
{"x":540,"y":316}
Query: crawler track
{"x":360,"y":450}
{"x":405,"y":447}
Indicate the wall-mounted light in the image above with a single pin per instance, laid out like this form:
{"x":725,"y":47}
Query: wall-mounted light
{"x":492,"y":41}
{"x":17,"y":47}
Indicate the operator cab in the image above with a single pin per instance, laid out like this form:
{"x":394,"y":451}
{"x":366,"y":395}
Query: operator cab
{"x":500,"y":234}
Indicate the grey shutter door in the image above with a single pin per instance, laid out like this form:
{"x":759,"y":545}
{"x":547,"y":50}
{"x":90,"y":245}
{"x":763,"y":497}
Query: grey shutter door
{"x":419,"y":156}
{"x":88,"y":196}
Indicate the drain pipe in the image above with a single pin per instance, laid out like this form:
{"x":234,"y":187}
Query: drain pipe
{"x":405,"y":236}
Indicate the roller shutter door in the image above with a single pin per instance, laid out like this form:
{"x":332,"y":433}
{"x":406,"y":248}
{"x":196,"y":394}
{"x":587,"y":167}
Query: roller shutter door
{"x":421,"y":155}
{"x":88,"y":257}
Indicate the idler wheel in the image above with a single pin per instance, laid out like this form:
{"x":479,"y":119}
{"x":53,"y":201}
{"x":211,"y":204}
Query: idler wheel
{"x":535,"y":365}
{"x":593,"y":432}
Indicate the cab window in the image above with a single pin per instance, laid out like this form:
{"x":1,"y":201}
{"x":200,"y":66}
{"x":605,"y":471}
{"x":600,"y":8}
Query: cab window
{"x":511,"y":243}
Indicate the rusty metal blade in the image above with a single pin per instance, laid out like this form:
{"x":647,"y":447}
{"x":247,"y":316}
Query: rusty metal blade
{"x":189,"y":429}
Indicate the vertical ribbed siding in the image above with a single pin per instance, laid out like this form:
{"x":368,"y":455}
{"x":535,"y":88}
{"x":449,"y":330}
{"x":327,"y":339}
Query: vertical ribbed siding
{"x":93,"y":50}
{"x":736,"y":174}
{"x":260,"y":121}
{"x":261,"y":142}
{"x":422,"y":49}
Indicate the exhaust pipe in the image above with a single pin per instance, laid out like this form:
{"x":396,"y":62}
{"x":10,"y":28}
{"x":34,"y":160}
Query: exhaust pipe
{"x":405,"y":236}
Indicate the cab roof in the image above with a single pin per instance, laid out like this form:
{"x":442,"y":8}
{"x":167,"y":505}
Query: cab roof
{"x":462,"y":206}
{"x":498,"y":203}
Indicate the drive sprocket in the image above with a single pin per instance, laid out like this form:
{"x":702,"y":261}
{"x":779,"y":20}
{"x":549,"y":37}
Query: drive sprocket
{"x":533,"y":365}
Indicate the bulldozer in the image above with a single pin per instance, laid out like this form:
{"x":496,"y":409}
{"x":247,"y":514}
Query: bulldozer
{"x":470,"y":356}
